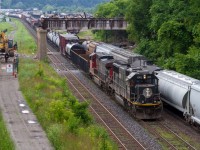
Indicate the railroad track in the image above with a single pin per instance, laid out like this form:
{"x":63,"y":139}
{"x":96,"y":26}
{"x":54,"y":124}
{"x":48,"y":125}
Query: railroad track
{"x":166,"y":136}
{"x":116,"y":130}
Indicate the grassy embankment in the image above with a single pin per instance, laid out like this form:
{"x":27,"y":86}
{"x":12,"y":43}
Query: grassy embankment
{"x":6,"y":142}
{"x":6,"y":25}
{"x":67,"y":122}
{"x":88,"y":35}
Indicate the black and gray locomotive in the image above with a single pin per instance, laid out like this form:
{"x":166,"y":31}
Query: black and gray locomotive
{"x":138,"y":89}
{"x":133,"y":85}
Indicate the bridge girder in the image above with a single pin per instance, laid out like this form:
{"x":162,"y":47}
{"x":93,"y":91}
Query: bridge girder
{"x":84,"y":23}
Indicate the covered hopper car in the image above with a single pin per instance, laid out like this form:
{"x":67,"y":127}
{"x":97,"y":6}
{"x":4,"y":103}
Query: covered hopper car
{"x":181,"y":92}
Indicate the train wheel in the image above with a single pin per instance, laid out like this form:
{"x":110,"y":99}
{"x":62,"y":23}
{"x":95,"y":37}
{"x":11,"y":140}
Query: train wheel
{"x":133,"y":110}
{"x":126,"y":105}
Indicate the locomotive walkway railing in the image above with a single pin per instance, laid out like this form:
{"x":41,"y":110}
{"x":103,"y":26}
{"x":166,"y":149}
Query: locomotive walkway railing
{"x":77,"y":24}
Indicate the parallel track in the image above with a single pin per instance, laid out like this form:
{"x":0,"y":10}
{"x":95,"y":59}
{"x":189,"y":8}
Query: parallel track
{"x":117,"y":131}
{"x":124,"y":139}
{"x":166,"y":136}
{"x":103,"y":116}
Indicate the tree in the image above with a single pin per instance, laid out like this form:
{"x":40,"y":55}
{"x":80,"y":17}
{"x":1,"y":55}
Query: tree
{"x":48,"y":8}
{"x":173,"y":38}
{"x":58,"y":3}
{"x":7,"y":3}
{"x":168,"y":32}
{"x":106,"y":10}
{"x":114,"y":8}
{"x":139,"y":18}
{"x":188,"y":64}
{"x":19,"y":5}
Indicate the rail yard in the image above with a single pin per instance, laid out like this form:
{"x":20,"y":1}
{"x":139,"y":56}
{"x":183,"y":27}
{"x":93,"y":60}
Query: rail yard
{"x":164,"y":123}
{"x":165,"y":131}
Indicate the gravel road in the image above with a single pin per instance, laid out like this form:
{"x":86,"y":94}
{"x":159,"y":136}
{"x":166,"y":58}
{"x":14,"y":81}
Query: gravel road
{"x":24,"y":129}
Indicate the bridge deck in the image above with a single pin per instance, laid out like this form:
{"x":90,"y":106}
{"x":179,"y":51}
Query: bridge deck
{"x":80,"y":23}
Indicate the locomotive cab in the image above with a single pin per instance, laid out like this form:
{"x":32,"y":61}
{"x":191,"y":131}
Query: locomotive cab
{"x":144,"y":88}
{"x":144,"y":95}
{"x":137,"y":89}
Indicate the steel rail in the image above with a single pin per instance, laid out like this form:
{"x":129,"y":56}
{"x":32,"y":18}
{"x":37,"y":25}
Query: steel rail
{"x":99,"y":114}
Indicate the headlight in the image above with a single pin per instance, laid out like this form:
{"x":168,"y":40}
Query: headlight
{"x":147,"y":92}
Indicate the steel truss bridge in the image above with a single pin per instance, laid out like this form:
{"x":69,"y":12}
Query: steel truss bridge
{"x":77,"y":24}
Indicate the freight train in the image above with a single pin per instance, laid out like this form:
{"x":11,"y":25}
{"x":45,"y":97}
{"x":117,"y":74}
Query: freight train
{"x":178,"y":90}
{"x":125,"y":76}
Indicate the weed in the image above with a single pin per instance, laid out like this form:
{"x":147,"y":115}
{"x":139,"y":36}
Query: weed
{"x":6,"y":142}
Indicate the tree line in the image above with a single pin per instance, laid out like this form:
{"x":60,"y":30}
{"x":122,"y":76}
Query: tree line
{"x":62,"y":5}
{"x":167,"y":31}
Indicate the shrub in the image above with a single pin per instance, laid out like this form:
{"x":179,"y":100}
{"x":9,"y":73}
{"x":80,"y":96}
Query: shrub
{"x":54,"y":133}
{"x":80,"y":111}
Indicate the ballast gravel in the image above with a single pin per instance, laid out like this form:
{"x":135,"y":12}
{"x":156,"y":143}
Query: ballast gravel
{"x":124,"y":117}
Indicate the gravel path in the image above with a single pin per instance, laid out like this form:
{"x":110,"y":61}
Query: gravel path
{"x":26,"y":133}
{"x":24,"y":129}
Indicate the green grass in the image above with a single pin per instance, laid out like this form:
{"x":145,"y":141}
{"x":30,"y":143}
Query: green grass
{"x":67,"y":122}
{"x":26,"y":43}
{"x":172,"y":139}
{"x":88,"y":35}
{"x":6,"y":142}
{"x":6,"y":25}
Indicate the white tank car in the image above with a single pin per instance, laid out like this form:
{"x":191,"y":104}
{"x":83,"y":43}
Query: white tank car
{"x":54,"y":37}
{"x":50,"y":35}
{"x":69,"y":47}
{"x":181,"y":92}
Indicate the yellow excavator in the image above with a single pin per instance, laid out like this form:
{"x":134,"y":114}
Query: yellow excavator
{"x":7,"y":47}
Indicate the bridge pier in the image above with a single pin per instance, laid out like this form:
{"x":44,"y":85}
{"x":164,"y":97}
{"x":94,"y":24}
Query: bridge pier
{"x":41,"y":44}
